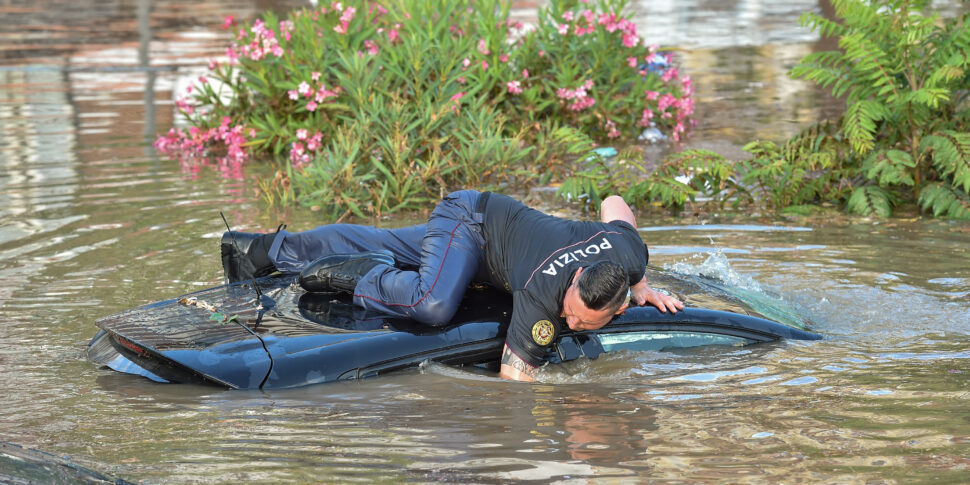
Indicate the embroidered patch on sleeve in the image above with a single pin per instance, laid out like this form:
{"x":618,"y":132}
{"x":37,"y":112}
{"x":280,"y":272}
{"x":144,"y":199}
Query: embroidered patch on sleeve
{"x":543,"y":332}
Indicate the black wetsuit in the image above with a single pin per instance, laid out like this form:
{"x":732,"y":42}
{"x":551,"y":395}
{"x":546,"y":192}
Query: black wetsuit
{"x":472,"y":236}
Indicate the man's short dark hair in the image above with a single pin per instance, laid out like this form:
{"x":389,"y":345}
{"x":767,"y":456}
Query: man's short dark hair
{"x":603,"y":285}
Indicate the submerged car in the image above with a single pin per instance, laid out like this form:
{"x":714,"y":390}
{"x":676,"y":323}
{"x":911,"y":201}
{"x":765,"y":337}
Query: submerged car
{"x":270,"y":333}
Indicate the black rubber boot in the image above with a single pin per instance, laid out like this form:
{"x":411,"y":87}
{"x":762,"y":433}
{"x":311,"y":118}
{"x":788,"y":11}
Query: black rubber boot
{"x":342,"y":272}
{"x":245,"y":255}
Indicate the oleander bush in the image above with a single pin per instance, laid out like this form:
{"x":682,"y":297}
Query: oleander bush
{"x":370,"y":108}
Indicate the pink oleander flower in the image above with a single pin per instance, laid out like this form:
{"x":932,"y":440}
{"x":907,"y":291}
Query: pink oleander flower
{"x":393,"y":35}
{"x":608,"y":20}
{"x":324,"y":94}
{"x":213,"y":65}
{"x":184,"y":106}
{"x":651,"y":95}
{"x":228,"y":22}
{"x":315,"y":142}
{"x":665,"y":101}
{"x":612,"y":132}
{"x":687,"y":86}
{"x":311,"y":106}
{"x":645,"y":118}
{"x":301,"y":134}
{"x":294,"y":95}
{"x":381,"y":11}
{"x":503,"y":58}
{"x":563,"y":29}
{"x":567,"y":16}
{"x":630,"y":40}
{"x":669,"y":74}
{"x":525,"y":74}
{"x":483,"y":47}
{"x":298,"y":156}
{"x":514,"y":87}
{"x":631,"y":61}
{"x":686,"y":108}
{"x":461,"y":80}
{"x":455,"y":98}
{"x":484,"y":66}
{"x":348,"y":15}
{"x":342,"y":28}
{"x":580,"y":99}
{"x":303,"y":88}
{"x":286,"y":27}
{"x":371,"y":47}
{"x":314,"y":76}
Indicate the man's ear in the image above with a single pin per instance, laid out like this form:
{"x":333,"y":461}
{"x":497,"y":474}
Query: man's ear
{"x":623,"y":308}
{"x":576,"y":276}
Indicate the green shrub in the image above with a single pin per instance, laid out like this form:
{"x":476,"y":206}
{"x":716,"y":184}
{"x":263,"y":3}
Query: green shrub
{"x":904,"y":76}
{"x":370,"y":109}
{"x":903,"y":138}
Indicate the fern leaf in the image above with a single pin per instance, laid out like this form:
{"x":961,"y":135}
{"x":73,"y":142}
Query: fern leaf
{"x":824,"y":26}
{"x":890,"y":167}
{"x":945,"y":200}
{"x":859,"y":124}
{"x":870,"y":200}
{"x":951,"y":156}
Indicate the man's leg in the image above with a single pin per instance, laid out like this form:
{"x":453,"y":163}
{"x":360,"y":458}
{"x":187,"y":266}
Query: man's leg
{"x":291,"y":252}
{"x":452,"y":253}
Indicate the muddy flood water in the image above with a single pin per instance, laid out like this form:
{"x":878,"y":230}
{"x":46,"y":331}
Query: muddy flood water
{"x":92,"y":222}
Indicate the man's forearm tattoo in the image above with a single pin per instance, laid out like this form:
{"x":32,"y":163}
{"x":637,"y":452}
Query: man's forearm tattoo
{"x":510,"y":359}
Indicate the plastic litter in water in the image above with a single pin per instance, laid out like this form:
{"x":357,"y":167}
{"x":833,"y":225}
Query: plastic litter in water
{"x":652,"y":135}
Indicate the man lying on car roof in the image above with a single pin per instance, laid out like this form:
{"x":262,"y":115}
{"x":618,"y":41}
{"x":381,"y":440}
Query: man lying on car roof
{"x":577,"y":273}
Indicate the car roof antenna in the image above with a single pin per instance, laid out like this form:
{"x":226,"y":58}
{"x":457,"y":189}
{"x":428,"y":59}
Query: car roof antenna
{"x":259,"y":294}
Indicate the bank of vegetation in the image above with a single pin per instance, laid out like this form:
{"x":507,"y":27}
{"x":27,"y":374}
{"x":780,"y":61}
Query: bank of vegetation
{"x":903,"y":137}
{"x":373,"y":108}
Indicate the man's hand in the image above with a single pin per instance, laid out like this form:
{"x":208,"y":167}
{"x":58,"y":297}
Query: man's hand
{"x":515,"y":368}
{"x":643,"y":294}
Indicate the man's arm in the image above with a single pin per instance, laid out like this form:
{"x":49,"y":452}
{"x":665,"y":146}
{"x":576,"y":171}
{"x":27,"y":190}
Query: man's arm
{"x":515,"y":368}
{"x":614,"y":208}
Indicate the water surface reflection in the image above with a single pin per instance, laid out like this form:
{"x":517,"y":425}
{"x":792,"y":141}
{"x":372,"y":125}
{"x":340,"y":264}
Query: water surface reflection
{"x":92,"y":222}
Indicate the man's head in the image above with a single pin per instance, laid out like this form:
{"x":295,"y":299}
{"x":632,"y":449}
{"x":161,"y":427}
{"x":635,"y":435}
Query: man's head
{"x":596,"y":295}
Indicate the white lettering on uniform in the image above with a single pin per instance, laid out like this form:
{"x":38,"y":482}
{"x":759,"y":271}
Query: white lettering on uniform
{"x":574,"y":256}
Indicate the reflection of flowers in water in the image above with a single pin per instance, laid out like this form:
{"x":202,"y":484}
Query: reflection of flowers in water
{"x":190,"y":147}
{"x":227,"y":168}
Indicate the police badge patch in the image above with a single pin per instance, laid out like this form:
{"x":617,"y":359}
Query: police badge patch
{"x":543,"y":332}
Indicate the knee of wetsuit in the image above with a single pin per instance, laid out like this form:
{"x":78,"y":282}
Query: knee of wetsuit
{"x":436,"y":313}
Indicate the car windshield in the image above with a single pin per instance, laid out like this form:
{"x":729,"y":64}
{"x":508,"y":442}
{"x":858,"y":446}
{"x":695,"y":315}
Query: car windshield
{"x":641,"y":341}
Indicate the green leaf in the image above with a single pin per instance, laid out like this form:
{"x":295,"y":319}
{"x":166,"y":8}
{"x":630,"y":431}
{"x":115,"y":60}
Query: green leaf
{"x":870,"y":200}
{"x":944,"y":200}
